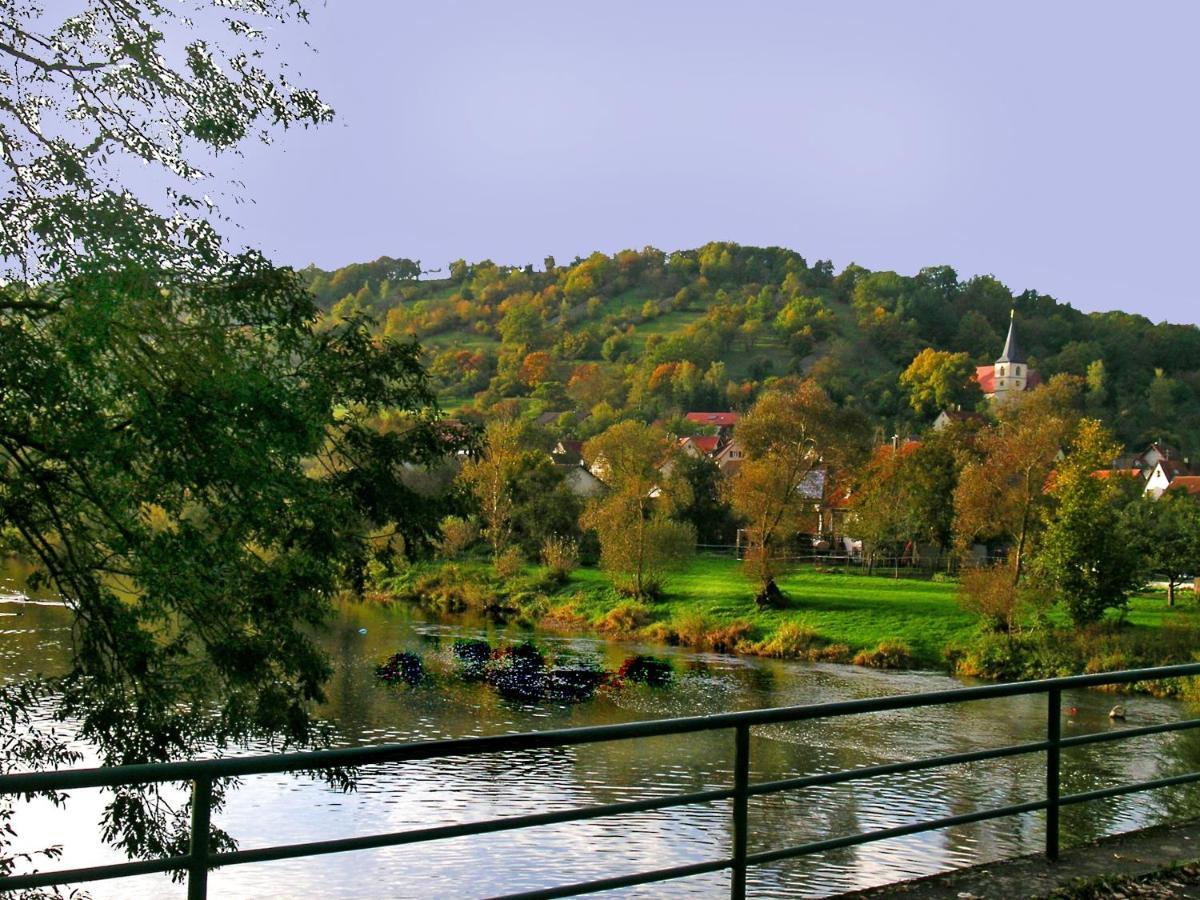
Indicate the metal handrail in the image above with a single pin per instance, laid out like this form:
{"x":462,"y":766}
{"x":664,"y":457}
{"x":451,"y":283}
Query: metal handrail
{"x":202,"y":773}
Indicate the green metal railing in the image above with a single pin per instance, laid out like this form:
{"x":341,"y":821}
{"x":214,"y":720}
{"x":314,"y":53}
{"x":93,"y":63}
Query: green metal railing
{"x":202,"y":773}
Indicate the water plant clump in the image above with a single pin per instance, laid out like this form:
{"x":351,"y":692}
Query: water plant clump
{"x":471,"y":658}
{"x":402,"y":668}
{"x":651,"y":670}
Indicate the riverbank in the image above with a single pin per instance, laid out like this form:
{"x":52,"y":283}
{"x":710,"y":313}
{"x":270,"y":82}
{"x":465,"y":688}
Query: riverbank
{"x":831,"y":615}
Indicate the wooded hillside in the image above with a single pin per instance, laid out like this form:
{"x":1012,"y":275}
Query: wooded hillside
{"x":653,"y":335}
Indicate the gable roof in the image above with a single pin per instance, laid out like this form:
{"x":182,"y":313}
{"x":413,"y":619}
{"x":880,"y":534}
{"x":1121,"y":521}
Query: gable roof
{"x":708,"y":444}
{"x":717,"y":419}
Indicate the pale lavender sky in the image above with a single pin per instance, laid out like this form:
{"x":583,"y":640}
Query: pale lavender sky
{"x":1051,"y":144}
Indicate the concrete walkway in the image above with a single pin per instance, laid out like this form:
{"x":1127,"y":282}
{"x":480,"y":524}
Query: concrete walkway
{"x":1134,"y":854}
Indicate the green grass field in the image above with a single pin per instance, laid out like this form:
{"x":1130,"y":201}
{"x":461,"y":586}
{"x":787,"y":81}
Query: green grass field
{"x":829,"y":615}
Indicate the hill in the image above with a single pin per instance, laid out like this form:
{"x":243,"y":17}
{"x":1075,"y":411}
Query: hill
{"x":654,"y":335}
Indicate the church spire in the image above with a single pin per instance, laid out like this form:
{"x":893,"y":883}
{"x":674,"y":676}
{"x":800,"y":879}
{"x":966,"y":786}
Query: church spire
{"x":1012,"y":352}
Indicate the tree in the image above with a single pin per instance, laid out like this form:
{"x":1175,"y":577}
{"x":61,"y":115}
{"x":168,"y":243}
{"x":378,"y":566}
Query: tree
{"x":707,"y":511}
{"x":489,"y":476}
{"x":1087,"y":555}
{"x":786,"y":438}
{"x":1001,"y":495}
{"x":194,"y":459}
{"x":1167,"y":534}
{"x":937,"y":380}
{"x":639,"y":541}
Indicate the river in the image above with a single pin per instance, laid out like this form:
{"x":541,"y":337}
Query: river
{"x":281,"y":809}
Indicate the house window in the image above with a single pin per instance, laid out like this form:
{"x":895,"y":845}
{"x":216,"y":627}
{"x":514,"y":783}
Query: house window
{"x":1018,"y":372}
{"x":1001,"y":384}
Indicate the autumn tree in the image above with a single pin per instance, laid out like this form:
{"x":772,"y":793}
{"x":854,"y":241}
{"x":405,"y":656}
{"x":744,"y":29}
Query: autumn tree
{"x":1001,"y":495}
{"x":937,"y":380}
{"x":489,"y":476}
{"x":787,"y":437}
{"x":640,"y":542}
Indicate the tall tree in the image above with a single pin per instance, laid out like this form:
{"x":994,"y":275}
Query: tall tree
{"x":787,"y":437}
{"x":639,"y":540}
{"x":1167,"y":533}
{"x":1088,"y":556}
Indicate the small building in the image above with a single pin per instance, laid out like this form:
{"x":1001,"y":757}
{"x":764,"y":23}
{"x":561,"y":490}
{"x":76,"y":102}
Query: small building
{"x":1188,"y":484}
{"x":1163,"y":475}
{"x":729,"y":457}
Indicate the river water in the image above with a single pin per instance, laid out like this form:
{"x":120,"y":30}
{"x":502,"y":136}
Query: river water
{"x":282,"y":809}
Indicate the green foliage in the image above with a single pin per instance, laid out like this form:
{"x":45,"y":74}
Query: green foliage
{"x":1088,"y":556}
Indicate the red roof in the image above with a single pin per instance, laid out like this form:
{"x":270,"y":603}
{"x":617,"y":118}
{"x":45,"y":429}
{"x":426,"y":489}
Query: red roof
{"x":717,"y":419}
{"x":1188,"y":483}
{"x":986,"y":376}
{"x":705,"y":443}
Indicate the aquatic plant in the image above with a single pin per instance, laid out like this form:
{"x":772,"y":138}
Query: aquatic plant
{"x":403,"y":667}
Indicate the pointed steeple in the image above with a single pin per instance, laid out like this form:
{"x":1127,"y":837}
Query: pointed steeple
{"x":1012,"y":353}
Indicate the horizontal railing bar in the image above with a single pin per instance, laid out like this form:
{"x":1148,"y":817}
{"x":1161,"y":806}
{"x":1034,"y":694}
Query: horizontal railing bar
{"x":1123,"y":733}
{"x":391,"y":753}
{"x":933,"y":762}
{"x":466,"y":829}
{"x":866,"y":837}
{"x":623,"y":881}
{"x":93,"y":873}
{"x":1105,"y":793}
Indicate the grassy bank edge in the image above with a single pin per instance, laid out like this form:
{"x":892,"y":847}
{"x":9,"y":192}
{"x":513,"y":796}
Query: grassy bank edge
{"x":832,"y":616}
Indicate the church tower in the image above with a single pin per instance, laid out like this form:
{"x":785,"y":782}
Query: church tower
{"x":1011,"y":372}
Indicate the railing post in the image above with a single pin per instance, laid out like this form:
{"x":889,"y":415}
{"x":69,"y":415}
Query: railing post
{"x":741,"y":797}
{"x":198,"y":852}
{"x":1053,"y":736}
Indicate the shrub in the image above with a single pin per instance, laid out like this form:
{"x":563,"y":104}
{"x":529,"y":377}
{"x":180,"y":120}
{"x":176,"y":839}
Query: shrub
{"x":888,"y":655}
{"x":989,"y":592}
{"x":561,"y":556}
{"x":730,"y":638}
{"x":651,"y":670}
{"x":790,"y":641}
{"x":402,"y":668}
{"x":509,"y":563}
{"x":457,"y":534}
{"x":625,"y":618}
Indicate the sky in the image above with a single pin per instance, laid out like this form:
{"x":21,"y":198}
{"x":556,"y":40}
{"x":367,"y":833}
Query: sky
{"x":1053,"y":145}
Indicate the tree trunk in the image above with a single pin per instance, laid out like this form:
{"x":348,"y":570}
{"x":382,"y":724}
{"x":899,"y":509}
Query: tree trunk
{"x":1171,"y":591}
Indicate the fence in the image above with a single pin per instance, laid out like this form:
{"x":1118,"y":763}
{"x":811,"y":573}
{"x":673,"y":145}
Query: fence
{"x":202,"y":773}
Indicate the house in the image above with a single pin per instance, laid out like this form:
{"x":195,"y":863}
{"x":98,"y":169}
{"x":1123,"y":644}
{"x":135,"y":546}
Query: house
{"x":1163,"y":475}
{"x":552,"y":417}
{"x":698,"y":445}
{"x":729,"y":457}
{"x":568,"y":452}
{"x":1010,"y":375}
{"x":1154,"y":454}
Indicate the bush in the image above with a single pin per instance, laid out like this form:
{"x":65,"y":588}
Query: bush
{"x":790,"y":641}
{"x":625,"y":618}
{"x":888,"y":655}
{"x":990,"y":593}
{"x":402,"y":668}
{"x":510,"y":563}
{"x":561,"y":556}
{"x":457,"y":535}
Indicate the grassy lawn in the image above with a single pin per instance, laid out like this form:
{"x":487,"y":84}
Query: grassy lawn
{"x":856,"y":610}
{"x":835,"y":616}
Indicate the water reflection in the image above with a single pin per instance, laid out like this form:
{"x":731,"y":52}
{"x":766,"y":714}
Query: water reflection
{"x":278,"y":809}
